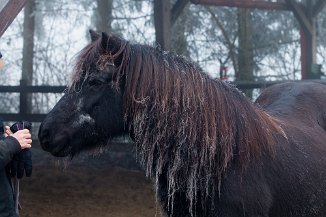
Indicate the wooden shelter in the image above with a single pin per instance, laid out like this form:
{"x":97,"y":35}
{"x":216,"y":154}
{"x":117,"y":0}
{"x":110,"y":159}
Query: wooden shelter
{"x":9,"y":9}
{"x":305,"y":12}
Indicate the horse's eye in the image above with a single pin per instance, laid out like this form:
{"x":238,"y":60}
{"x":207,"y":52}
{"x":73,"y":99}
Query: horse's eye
{"x":95,"y":82}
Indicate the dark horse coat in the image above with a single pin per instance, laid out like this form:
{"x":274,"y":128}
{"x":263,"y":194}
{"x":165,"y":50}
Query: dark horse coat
{"x":297,"y":170}
{"x":209,"y":150}
{"x":292,"y":181}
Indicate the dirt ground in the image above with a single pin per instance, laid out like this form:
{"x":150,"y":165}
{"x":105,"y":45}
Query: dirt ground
{"x":85,"y":189}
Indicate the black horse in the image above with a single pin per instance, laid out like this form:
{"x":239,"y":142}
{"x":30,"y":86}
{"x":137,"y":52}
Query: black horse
{"x":208,"y":149}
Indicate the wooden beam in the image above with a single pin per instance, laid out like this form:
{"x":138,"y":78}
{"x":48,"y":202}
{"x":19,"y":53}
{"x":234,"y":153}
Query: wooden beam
{"x":306,"y":53}
{"x":244,"y":4}
{"x":299,"y":12}
{"x":32,"y":89}
{"x":25,"y":117}
{"x":3,"y":4}
{"x":177,"y":10}
{"x":9,"y":13}
{"x":245,"y":85}
{"x":162,"y":18}
{"x":318,"y":7}
{"x":303,"y":13}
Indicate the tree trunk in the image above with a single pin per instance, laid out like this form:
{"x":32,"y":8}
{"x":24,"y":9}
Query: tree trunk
{"x":245,"y":53}
{"x":162,"y":22}
{"x":104,"y":15}
{"x":28,"y":53}
{"x":179,"y":39}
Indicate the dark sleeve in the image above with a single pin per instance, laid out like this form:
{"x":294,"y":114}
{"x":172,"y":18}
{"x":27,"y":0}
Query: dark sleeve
{"x":8,"y":147}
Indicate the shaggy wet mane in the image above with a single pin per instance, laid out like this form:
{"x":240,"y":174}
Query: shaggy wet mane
{"x":188,"y":126}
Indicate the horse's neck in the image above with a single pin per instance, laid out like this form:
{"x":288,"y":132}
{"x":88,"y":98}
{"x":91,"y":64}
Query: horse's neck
{"x":219,"y":123}
{"x":192,"y":150}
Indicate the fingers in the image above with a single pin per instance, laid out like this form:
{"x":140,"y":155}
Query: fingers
{"x":7,"y":131}
{"x":26,"y":145}
{"x":24,"y":138}
{"x":25,"y":133}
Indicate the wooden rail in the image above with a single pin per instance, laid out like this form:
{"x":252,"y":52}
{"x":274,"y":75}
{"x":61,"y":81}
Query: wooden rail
{"x":244,"y":4}
{"x":247,"y":85}
{"x":23,"y":90}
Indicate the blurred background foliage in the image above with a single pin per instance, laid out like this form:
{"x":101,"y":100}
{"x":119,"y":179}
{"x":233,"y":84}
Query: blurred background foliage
{"x":42,"y":42}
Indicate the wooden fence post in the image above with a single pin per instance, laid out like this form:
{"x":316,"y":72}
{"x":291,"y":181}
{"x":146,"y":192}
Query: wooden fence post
{"x":23,"y":97}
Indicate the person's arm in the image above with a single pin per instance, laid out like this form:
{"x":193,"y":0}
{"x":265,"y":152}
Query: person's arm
{"x":8,"y":147}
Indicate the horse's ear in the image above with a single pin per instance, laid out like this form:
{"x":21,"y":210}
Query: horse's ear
{"x":105,"y":41}
{"x":94,"y":35}
{"x":110,"y":43}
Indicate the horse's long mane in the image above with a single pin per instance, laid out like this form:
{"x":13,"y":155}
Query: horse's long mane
{"x":187,"y":126}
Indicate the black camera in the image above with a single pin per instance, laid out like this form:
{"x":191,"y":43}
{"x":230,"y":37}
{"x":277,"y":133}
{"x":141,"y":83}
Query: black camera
{"x":22,"y":161}
{"x":20,"y":125}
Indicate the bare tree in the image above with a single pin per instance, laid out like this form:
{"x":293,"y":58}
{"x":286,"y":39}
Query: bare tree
{"x":162,"y":17}
{"x":103,"y":15}
{"x":28,"y":51}
{"x":179,"y":19}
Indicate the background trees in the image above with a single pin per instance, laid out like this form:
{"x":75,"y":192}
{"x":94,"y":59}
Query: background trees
{"x":40,"y":45}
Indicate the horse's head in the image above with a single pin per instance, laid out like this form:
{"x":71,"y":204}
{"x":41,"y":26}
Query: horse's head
{"x":91,"y":111}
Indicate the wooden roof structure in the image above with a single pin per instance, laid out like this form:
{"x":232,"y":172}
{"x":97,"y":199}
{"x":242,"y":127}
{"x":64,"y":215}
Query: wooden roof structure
{"x":305,"y":12}
{"x":9,"y":9}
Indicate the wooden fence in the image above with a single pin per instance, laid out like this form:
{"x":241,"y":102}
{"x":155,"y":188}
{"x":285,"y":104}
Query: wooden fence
{"x":23,"y":90}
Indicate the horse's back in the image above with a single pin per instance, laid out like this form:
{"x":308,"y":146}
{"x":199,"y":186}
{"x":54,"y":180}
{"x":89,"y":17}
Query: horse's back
{"x":303,"y":102}
{"x":300,"y":159}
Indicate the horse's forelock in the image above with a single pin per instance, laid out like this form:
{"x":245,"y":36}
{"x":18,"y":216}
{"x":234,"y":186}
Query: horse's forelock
{"x":83,"y":61}
{"x":95,"y":53}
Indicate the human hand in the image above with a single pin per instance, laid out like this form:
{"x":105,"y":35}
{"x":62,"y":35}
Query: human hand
{"x":21,"y":162}
{"x":2,"y":63}
{"x":24,"y":137}
{"x":7,"y":131}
